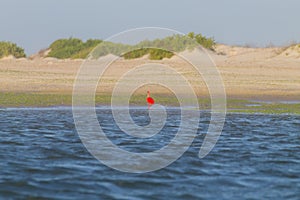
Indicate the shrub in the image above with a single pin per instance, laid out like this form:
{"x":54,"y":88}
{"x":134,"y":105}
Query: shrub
{"x":175,"y":43}
{"x":75,"y":48}
{"x":8,"y":48}
{"x":72,"y":48}
{"x":207,"y":43}
{"x":136,"y":53}
{"x":154,"y":54}
{"x":159,"y":54}
{"x":105,"y":48}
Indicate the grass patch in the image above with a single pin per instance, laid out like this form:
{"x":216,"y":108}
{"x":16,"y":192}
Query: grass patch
{"x":266,"y":108}
{"x":9,"y":99}
{"x":33,"y":100}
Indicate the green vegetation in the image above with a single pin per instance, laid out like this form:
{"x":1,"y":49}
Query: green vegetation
{"x":270,"y":108}
{"x":10,"y":99}
{"x":154,"y":54}
{"x":72,"y":48}
{"x":233,"y":105}
{"x":157,"y":49}
{"x":163,"y":48}
{"x":8,"y":48}
{"x":207,"y":43}
{"x":106,"y":48}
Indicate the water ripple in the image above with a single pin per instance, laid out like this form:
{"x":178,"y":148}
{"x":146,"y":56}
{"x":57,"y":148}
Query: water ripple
{"x":257,"y":157}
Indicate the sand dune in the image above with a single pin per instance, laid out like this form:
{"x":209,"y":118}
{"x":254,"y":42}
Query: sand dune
{"x":248,"y":73}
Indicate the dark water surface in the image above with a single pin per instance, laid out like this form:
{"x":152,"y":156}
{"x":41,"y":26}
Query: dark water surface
{"x":41,"y":156}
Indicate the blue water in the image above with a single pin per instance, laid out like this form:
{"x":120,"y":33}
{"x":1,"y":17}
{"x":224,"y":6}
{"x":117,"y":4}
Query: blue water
{"x":42,"y":157}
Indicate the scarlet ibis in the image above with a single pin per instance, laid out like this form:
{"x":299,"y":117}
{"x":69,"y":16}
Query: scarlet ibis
{"x":150,"y":100}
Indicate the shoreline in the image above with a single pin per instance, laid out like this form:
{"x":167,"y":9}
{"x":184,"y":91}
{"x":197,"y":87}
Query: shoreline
{"x":250,"y":76}
{"x":105,"y":107}
{"x":25,"y":100}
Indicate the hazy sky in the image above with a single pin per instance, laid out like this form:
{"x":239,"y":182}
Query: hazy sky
{"x":34,"y":24}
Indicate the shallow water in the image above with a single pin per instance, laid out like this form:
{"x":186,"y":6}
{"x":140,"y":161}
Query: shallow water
{"x":41,"y":156}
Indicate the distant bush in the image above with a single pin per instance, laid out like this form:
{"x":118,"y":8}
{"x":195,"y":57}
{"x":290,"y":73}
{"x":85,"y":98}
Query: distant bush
{"x":154,"y":54}
{"x":106,"y":48}
{"x":72,"y":48}
{"x":157,"y":49}
{"x":136,"y":53}
{"x":175,"y":43}
{"x":8,"y":48}
{"x":159,"y":54}
{"x":207,"y":43}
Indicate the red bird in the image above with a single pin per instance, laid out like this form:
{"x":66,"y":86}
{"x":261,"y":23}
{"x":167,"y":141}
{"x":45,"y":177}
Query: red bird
{"x":150,"y":100}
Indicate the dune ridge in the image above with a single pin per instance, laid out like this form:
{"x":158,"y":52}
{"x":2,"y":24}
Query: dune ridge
{"x":248,"y":73}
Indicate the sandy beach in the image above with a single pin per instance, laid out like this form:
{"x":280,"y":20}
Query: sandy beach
{"x":266,"y":74}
